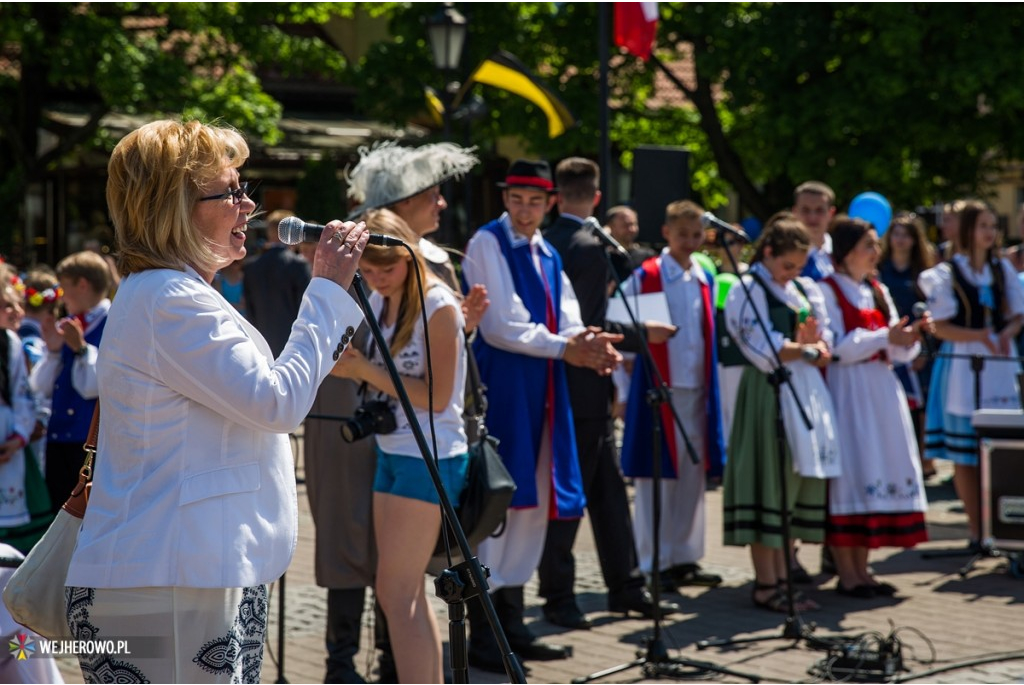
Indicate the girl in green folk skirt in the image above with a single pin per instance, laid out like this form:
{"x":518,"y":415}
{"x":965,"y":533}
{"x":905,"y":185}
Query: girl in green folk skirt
{"x":794,"y":313}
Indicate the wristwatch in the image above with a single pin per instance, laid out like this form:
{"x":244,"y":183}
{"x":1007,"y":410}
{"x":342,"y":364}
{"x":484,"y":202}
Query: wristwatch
{"x":82,"y":351}
{"x":810,"y":354}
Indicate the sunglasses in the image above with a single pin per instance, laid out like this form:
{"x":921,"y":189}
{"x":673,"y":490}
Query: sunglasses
{"x":236,"y":195}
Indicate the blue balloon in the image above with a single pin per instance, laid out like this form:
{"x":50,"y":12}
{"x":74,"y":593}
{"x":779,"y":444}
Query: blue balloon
{"x":874,"y":209}
{"x":752,"y":225}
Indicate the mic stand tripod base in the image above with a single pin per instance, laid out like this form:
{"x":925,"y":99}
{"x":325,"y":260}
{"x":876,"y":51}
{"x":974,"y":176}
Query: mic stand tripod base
{"x":655,"y":662}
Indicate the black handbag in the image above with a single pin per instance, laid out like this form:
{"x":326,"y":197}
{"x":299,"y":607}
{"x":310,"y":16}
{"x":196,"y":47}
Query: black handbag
{"x":489,"y":486}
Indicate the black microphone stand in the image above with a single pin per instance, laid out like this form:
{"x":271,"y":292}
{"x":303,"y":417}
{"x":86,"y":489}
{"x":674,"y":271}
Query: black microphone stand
{"x":654,"y":660}
{"x":794,"y":628}
{"x":465,"y":580}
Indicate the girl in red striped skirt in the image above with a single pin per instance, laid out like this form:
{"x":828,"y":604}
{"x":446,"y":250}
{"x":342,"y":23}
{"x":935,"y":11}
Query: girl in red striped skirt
{"x":879,"y":500}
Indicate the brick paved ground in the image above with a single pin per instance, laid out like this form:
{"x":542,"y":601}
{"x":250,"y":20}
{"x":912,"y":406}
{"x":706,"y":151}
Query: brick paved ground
{"x":962,"y":618}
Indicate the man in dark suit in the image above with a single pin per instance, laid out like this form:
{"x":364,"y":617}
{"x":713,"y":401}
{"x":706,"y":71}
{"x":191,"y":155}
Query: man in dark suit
{"x":273,"y":285}
{"x":590,"y":396}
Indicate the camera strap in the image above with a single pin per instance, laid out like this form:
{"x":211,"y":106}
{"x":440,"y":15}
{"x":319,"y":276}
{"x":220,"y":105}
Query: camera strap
{"x":372,"y":346}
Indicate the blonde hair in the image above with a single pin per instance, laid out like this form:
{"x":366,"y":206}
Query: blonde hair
{"x":386,"y":222}
{"x":155,"y":176}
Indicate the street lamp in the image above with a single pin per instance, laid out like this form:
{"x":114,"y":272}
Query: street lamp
{"x":446,"y":30}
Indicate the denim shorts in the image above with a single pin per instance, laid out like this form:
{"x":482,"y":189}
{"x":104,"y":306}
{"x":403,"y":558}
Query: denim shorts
{"x":405,"y":476}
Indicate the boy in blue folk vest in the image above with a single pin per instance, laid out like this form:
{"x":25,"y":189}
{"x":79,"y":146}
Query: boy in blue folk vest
{"x":67,"y":374}
{"x":688,"y":364}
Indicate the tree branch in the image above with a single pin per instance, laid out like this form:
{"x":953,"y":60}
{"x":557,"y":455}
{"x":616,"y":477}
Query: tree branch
{"x":729,"y":163}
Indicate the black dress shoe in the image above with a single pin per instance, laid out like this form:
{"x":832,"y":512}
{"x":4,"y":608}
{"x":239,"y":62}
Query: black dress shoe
{"x":640,"y":602}
{"x":542,"y":651}
{"x":693,"y":574}
{"x":567,"y":615}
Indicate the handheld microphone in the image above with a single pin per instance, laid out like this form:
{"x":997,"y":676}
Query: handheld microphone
{"x":595,"y":227}
{"x":919,"y":309}
{"x":709,"y":220}
{"x":292,"y":230}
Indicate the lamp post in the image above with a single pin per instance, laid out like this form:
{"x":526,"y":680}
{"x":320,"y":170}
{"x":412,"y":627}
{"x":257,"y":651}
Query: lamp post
{"x":446,"y":31}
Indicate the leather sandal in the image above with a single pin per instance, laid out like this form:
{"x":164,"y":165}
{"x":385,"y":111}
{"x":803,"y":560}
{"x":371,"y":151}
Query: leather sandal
{"x":775,"y":602}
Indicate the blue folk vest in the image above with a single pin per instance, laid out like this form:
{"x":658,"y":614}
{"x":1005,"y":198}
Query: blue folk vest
{"x":72,"y":413}
{"x":517,"y":388}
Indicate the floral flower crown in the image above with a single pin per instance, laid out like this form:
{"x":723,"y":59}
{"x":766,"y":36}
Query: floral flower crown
{"x":37,"y":298}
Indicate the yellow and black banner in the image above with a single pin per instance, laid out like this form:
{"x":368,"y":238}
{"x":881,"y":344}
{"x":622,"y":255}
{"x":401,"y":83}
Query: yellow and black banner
{"x":504,"y":70}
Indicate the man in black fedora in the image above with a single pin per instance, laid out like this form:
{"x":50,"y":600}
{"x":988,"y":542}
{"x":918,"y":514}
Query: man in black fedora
{"x":528,"y":335}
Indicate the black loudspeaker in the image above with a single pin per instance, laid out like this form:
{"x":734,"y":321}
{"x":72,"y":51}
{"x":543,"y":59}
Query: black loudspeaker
{"x":661,"y":175}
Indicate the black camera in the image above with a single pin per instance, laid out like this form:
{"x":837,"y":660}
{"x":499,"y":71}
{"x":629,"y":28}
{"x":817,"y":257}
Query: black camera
{"x":371,"y":417}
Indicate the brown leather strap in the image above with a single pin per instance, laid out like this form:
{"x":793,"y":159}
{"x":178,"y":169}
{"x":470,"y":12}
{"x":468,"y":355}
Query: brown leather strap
{"x":94,"y":429}
{"x":79,"y":498}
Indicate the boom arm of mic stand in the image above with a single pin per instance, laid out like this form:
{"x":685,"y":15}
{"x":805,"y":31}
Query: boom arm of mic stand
{"x":512,"y":665}
{"x":780,"y":369}
{"x":657,"y":382}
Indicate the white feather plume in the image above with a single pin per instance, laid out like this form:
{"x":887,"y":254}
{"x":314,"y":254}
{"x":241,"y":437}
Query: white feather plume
{"x":387,"y":172}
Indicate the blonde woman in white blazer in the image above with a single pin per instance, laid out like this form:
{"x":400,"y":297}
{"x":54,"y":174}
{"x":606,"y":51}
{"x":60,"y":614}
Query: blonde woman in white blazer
{"x":193,"y":507}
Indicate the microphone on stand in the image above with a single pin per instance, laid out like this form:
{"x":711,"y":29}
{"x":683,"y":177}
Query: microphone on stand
{"x":709,"y":220}
{"x":292,"y":230}
{"x":595,"y":227}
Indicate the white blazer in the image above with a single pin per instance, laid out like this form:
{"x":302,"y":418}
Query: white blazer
{"x":194,"y":483}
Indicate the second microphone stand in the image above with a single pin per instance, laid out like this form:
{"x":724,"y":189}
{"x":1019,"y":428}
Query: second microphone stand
{"x":465,"y":580}
{"x":794,"y":628}
{"x":654,"y":660}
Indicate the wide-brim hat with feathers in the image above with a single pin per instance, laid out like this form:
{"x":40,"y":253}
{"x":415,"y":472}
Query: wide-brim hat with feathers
{"x":388,"y":173}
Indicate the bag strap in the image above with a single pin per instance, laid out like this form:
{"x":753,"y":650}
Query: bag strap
{"x":476,"y":388}
{"x":79,"y":498}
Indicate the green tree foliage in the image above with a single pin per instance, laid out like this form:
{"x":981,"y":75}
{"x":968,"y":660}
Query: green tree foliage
{"x":319,"y":191}
{"x":94,"y":59}
{"x":917,"y":101}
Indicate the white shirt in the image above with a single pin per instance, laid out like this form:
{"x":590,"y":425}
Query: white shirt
{"x":194,"y":484}
{"x":506,"y":322}
{"x":682,"y":289}
{"x":742,"y":322}
{"x":998,"y":380}
{"x":410,"y":361}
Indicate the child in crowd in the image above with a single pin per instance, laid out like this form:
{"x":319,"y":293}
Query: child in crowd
{"x":18,"y":475}
{"x":688,"y":365}
{"x":67,"y":374}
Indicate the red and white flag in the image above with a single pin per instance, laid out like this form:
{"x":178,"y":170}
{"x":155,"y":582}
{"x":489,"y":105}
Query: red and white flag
{"x":635,"y":26}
